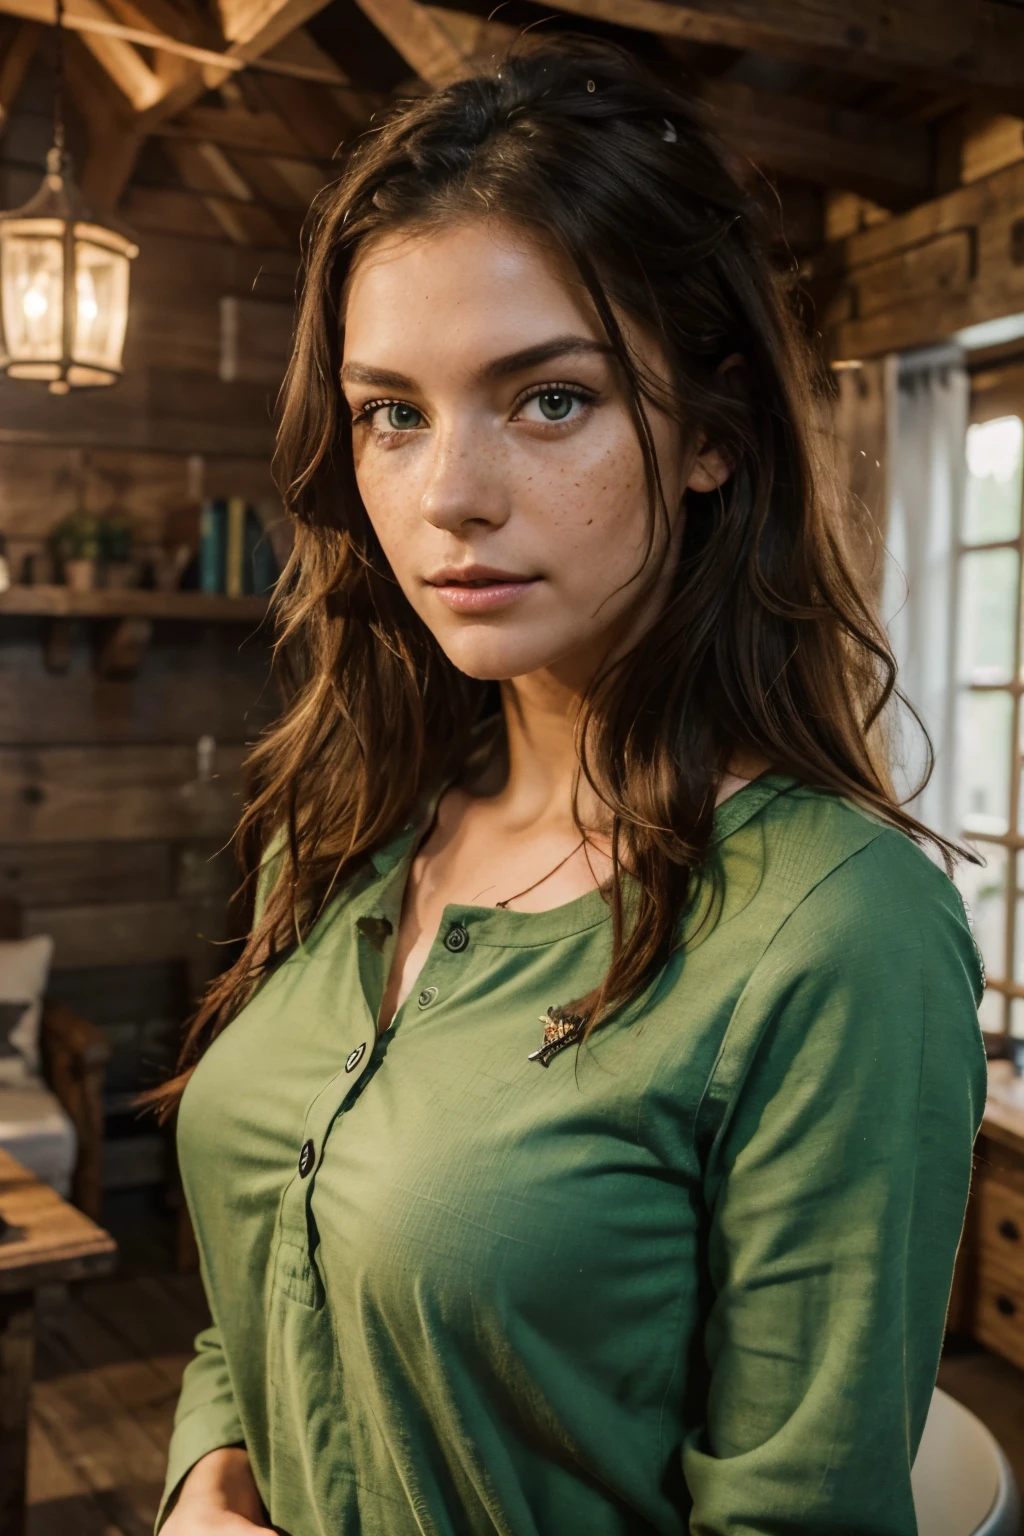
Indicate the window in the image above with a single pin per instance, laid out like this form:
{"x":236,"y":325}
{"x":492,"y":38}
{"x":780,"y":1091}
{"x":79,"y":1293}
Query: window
{"x":990,"y":722}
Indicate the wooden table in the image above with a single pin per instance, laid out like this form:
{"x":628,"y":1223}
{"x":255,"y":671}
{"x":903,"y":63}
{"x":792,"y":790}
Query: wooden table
{"x":47,"y":1241}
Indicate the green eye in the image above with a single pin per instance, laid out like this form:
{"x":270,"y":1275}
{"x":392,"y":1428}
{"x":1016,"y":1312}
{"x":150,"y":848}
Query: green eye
{"x":401,"y":418}
{"x":555,"y":404}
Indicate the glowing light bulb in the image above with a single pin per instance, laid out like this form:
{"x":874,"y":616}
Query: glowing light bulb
{"x":88,"y":308}
{"x":34,"y":303}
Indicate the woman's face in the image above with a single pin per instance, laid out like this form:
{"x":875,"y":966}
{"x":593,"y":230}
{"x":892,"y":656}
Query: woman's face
{"x":496,"y":455}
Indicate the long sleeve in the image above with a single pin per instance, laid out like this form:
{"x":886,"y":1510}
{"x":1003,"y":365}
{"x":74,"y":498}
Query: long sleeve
{"x":839,"y":1124}
{"x":206,"y":1417}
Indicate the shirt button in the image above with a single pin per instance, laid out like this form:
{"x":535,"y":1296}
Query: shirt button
{"x":307,"y":1157}
{"x":426,"y":997}
{"x":355,"y":1057}
{"x":456,"y":939}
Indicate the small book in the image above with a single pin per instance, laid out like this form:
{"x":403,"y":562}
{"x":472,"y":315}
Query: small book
{"x":234,"y":563}
{"x":213,"y":524}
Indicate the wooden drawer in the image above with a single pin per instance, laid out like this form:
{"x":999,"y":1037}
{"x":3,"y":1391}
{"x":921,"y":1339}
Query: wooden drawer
{"x":999,"y":1310}
{"x":1000,"y":1229}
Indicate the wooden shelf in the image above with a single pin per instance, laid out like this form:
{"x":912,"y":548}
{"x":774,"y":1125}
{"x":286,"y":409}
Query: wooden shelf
{"x":131,"y":603}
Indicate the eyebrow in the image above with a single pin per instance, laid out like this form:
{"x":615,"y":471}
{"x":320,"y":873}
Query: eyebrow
{"x":500,"y":368}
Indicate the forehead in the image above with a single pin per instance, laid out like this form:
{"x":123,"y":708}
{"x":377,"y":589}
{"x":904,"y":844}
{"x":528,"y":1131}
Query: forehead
{"x":460,"y":294}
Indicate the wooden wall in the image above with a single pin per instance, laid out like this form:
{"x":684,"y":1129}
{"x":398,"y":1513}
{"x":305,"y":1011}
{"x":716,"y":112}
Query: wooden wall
{"x":105,"y":838}
{"x":920,"y":277}
{"x":101,"y":838}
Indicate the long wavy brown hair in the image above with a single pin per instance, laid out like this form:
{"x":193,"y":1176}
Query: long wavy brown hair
{"x":767,"y":645}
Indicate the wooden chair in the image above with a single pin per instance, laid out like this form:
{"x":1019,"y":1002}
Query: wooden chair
{"x":75,"y":1055}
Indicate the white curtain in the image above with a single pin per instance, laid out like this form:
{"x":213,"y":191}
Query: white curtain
{"x":927,"y":396}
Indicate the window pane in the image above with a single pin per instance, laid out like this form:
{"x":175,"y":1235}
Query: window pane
{"x":983,"y":889}
{"x":1016,"y":1021}
{"x":995,"y":450}
{"x":983,"y":767}
{"x":988,"y":615}
{"x":992,"y":1013}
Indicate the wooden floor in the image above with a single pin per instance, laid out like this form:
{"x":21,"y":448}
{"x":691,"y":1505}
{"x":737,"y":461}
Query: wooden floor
{"x":108,"y":1371}
{"x":110,"y":1360}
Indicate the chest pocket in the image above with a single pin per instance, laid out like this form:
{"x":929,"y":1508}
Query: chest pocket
{"x":296,"y":1276}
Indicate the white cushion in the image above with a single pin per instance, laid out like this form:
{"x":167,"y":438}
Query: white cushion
{"x":959,"y":1472}
{"x":24,"y":969}
{"x":35,"y":1129}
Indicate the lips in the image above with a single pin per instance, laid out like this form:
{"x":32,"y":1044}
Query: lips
{"x":477,"y":589}
{"x":474,"y":576}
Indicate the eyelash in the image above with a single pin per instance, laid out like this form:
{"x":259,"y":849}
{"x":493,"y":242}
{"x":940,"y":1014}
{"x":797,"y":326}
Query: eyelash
{"x":365,"y":414}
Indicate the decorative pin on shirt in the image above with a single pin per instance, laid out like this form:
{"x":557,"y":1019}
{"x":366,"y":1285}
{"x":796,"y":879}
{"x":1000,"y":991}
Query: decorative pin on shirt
{"x":560,"y":1029}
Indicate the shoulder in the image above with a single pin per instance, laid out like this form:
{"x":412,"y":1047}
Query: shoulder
{"x":813,"y":860}
{"x":847,"y":924}
{"x":868,"y":978}
{"x":867,"y":888}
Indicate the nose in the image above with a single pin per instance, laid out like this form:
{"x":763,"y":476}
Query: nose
{"x":464,"y":482}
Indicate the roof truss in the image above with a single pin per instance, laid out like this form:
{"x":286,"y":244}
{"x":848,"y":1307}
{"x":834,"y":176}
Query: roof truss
{"x":821,"y":117}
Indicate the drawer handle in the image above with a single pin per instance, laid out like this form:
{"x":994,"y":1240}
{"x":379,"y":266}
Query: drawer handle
{"x":1010,"y":1230}
{"x":1006,"y":1306}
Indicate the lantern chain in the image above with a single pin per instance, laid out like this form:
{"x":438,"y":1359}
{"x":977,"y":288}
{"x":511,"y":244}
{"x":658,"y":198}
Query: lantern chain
{"x":58,"y":94}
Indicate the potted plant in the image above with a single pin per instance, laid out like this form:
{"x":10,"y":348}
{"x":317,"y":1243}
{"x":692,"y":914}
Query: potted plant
{"x":77,"y":544}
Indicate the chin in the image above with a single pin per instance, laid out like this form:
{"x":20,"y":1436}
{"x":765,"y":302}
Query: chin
{"x":493,"y":657}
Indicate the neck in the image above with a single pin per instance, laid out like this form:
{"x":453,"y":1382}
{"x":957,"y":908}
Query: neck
{"x":540,"y":713}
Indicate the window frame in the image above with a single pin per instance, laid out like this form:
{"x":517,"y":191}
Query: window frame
{"x":995,"y":395}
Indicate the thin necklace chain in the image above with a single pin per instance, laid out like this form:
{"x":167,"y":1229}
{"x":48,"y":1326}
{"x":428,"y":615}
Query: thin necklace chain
{"x":533,"y":887}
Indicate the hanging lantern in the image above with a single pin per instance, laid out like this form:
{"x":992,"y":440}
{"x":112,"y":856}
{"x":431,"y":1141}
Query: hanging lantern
{"x":64,"y":279}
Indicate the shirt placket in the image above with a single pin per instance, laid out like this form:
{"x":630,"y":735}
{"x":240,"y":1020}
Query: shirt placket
{"x":372,"y":933}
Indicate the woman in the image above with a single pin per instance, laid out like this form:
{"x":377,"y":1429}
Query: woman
{"x":588,"y":1144}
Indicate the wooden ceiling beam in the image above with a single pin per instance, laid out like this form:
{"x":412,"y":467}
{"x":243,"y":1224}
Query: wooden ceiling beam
{"x":888,"y":162}
{"x":170,"y":24}
{"x":254,"y":27}
{"x":280,"y":182}
{"x":113,"y":144}
{"x":139,"y":85}
{"x":320,"y":119}
{"x":977,"y":44}
{"x":261,"y":133}
{"x":419,"y":37}
{"x":205,"y":170}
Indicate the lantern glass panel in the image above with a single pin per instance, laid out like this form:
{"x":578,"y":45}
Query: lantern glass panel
{"x":101,"y":311}
{"x":32,"y":294}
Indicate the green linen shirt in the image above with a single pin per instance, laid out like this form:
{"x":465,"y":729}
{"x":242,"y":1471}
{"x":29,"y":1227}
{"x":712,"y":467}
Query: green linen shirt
{"x":690,"y":1277}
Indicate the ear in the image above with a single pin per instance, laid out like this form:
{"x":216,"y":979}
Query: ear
{"x":712,"y":467}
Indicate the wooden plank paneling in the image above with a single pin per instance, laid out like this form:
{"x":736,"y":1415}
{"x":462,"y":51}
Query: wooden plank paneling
{"x":119,"y":933}
{"x":255,"y":340}
{"x":86,"y":794}
{"x":920,"y":284}
{"x":62,"y":874}
{"x":121,"y":996}
{"x":883,"y":160}
{"x":943,"y":43}
{"x":940,"y":268}
{"x":41,"y":485}
{"x":180,"y":410}
{"x":205,"y":684}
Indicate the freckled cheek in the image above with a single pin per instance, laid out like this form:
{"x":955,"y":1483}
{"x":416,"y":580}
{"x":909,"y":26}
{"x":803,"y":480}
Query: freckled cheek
{"x":390,"y":496}
{"x":589,"y":501}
